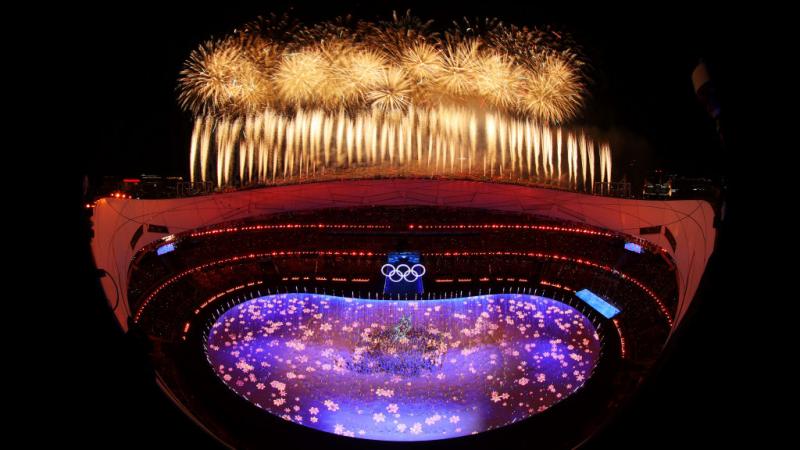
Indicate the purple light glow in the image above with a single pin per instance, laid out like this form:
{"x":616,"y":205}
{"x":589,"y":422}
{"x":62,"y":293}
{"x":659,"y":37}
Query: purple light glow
{"x":403,"y":370}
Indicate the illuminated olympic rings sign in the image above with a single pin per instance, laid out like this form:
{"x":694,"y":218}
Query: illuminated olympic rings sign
{"x":403,"y":272}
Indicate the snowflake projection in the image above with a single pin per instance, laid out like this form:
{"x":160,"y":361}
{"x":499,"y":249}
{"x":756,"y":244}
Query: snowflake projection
{"x":403,"y":370}
{"x":401,"y":350}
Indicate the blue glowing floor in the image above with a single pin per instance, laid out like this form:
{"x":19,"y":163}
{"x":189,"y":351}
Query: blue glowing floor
{"x":403,"y":370}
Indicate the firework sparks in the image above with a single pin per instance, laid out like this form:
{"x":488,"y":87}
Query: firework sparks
{"x":300,"y":77}
{"x":278,"y":99}
{"x":392,"y":92}
{"x":552,"y":93}
{"x":276,"y":63}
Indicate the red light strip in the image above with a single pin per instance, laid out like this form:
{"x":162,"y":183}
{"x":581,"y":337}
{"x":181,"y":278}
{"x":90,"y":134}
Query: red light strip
{"x":555,"y":228}
{"x":514,"y":227}
{"x":556,"y":285}
{"x":621,"y":338}
{"x":289,"y":227}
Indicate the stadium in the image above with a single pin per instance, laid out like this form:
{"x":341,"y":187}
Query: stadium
{"x":413,"y":257}
{"x":495,"y":257}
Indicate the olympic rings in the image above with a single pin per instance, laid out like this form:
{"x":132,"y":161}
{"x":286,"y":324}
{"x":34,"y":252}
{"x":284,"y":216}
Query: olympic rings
{"x":403,"y":272}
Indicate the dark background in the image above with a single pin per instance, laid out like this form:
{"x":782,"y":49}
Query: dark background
{"x":640,"y":75}
{"x":124,"y":64}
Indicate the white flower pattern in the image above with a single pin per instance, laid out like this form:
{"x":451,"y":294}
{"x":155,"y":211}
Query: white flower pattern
{"x":526,"y":352}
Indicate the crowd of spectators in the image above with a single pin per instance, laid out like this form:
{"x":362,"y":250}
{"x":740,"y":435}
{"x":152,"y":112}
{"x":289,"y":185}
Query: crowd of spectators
{"x":468,"y":256}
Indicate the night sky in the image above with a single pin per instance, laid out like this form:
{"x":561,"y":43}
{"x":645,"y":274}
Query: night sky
{"x":641,"y":95}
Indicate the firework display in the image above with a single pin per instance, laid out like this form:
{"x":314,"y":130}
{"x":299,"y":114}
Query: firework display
{"x":277,"y":100}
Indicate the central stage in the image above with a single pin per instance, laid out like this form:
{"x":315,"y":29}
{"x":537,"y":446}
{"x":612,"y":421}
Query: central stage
{"x":403,"y":370}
